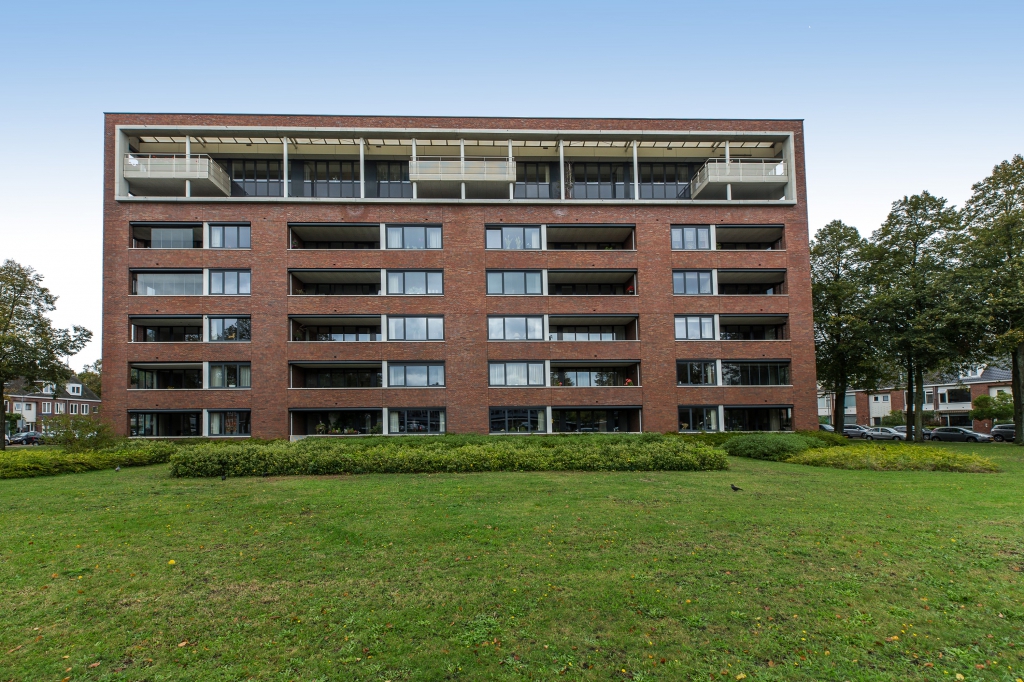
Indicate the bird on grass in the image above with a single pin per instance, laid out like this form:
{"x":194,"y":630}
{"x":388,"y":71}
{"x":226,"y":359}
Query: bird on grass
{"x":223,"y":477}
{"x":734,"y":488}
{"x":117,"y":468}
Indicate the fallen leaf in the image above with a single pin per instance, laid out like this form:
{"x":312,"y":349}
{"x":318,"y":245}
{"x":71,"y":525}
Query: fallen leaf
{"x":15,"y":648}
{"x":94,"y":665}
{"x":185,"y":643}
{"x":894,"y":638}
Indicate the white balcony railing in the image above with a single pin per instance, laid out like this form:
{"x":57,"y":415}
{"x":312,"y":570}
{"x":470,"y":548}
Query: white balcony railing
{"x":457,"y":169}
{"x":742,"y":170}
{"x":151,"y":169}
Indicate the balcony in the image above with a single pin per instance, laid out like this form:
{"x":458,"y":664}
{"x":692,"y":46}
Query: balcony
{"x":443,"y":176}
{"x":166,"y":175}
{"x":337,"y":328}
{"x":591,"y":283}
{"x":755,"y":179}
{"x":335,"y":282}
{"x":751,"y":282}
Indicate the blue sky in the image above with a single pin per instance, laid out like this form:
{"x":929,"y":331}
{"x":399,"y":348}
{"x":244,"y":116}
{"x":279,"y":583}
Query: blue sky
{"x":897,"y":97}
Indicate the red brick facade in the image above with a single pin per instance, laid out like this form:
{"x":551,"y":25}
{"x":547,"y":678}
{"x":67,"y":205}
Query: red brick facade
{"x":465,"y":350}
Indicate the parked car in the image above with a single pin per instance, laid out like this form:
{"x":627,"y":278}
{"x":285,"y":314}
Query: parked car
{"x":924,"y":429}
{"x":959,"y":434}
{"x":826,"y":427}
{"x":26,"y":438}
{"x":855,"y":430}
{"x":1001,"y":432}
{"x":884,"y":433}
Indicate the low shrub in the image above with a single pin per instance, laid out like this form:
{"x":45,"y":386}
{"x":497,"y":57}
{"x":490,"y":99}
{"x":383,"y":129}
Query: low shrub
{"x":894,"y":457}
{"x":826,"y":438}
{"x":770,"y":446}
{"x":319,"y":456}
{"x":75,"y":433}
{"x":46,"y":461}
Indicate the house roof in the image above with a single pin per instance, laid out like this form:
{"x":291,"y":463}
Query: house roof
{"x":19,"y":388}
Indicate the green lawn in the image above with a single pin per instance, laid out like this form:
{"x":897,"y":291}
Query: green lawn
{"x":807,"y":574}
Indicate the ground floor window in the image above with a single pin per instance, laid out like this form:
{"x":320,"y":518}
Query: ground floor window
{"x":593,"y":421}
{"x":699,"y":418}
{"x":416,"y":421}
{"x":230,"y":423}
{"x":165,"y":424}
{"x":337,"y":423}
{"x":758,"y":418}
{"x":518,"y":419}
{"x":958,"y":420}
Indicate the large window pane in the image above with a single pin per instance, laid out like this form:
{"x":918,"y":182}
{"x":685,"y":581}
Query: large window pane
{"x":535,"y":328}
{"x":497,"y":374}
{"x":515,"y":283}
{"x":435,"y":328}
{"x":515,"y":328}
{"x":496,"y":328}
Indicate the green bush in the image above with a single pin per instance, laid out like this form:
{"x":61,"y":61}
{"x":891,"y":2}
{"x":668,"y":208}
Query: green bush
{"x":770,"y":446}
{"x":75,"y":433}
{"x":894,"y":457}
{"x":825,"y":439}
{"x":47,"y":461}
{"x":320,"y":456}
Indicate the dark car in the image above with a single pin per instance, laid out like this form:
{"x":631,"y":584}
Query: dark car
{"x":1001,"y":432}
{"x":826,"y":427}
{"x":855,"y":431}
{"x":27,"y":438}
{"x":959,"y":434}
{"x":903,"y":429}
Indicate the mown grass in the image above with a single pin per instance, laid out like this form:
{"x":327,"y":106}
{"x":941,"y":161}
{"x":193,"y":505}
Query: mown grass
{"x":807,"y":574}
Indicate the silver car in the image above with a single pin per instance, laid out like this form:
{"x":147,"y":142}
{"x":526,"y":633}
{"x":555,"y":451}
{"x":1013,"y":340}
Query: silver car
{"x":884,"y":433}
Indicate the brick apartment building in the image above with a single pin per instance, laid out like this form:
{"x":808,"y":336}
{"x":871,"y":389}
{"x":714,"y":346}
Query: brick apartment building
{"x":297,"y":275}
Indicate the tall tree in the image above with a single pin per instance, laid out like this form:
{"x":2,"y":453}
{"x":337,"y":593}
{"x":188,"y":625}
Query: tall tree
{"x":843,"y":334}
{"x":923,"y":322}
{"x":30,"y":346}
{"x":92,"y":376}
{"x":993,"y":250}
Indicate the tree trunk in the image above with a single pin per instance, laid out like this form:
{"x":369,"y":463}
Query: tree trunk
{"x":919,"y":414}
{"x":839,"y":406}
{"x":911,"y":402}
{"x":1017,"y":382}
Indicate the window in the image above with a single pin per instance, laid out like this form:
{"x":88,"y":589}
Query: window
{"x":590,"y":421}
{"x":230,"y":375}
{"x":85,"y":408}
{"x":229,"y":236}
{"x":691,"y":238}
{"x":518,"y":419}
{"x":593,"y":332}
{"x":415,"y":375}
{"x":958,"y":395}
{"x":74,"y":408}
{"x":19,"y":407}
{"x":515,"y":328}
{"x":602,"y":180}
{"x":694,"y":327}
{"x":513,"y":238}
{"x":665,"y":180}
{"x":230,"y":282}
{"x":758,"y":418}
{"x":514,"y":283}
{"x":336,"y":333}
{"x":751,"y":332}
{"x":875,"y":398}
{"x":342,"y":377}
{"x":75,"y":389}
{"x":415,"y":328}
{"x":756,"y":374}
{"x":334,"y":179}
{"x":695,"y":373}
{"x":165,"y":424}
{"x":230,"y":329}
{"x":885,"y":398}
{"x":415,"y":282}
{"x":413,"y":237}
{"x":534,"y":181}
{"x":393,"y":180}
{"x":929,"y":397}
{"x":584,"y":377}
{"x":46,"y":407}
{"x":691,"y":282}
{"x":255,"y":177}
{"x":60,"y":408}
{"x":230,"y":423}
{"x":850,"y":402}
{"x":151,"y":333}
{"x":170,"y":377}
{"x":416,"y":421}
{"x":516,"y":373}
{"x":698,"y":418}
{"x":172,"y":238}
{"x":167,"y":283}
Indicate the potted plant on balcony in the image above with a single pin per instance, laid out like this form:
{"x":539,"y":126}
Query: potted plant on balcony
{"x":629,"y":382}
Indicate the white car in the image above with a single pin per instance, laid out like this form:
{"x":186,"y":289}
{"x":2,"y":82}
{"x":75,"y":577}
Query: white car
{"x":884,"y":433}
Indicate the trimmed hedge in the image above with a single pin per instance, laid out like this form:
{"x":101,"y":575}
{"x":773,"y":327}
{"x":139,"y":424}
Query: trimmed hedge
{"x":879,"y":457}
{"x":774,"y":447}
{"x":45,"y":461}
{"x":430,"y":454}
